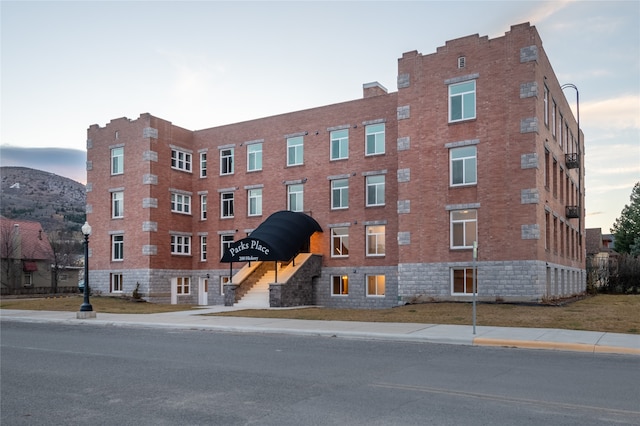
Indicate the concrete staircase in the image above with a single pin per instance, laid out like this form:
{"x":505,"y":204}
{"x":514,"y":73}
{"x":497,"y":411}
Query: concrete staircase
{"x":258,"y":296}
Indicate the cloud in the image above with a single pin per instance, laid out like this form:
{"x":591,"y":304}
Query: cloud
{"x":545,"y":10}
{"x":622,"y":112}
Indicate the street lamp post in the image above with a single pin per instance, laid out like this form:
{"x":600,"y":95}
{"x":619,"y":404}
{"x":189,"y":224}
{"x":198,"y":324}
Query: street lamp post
{"x":579,"y":152}
{"x":86,"y":231}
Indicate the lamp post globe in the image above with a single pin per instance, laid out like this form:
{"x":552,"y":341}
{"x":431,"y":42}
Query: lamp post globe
{"x":86,"y":231}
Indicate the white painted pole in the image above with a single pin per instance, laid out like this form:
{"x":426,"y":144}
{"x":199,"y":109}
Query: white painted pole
{"x":475,"y":290}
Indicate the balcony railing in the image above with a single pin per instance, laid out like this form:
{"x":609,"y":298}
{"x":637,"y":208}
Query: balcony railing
{"x":572,"y":161}
{"x":573,"y":212}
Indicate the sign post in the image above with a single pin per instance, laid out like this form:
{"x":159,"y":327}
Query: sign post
{"x":475,"y":289}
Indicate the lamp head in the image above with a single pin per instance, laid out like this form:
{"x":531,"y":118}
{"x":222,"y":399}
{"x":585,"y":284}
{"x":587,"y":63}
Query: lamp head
{"x":86,"y":229}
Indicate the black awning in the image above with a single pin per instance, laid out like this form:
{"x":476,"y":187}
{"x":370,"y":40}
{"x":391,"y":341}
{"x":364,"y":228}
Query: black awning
{"x":280,"y":237}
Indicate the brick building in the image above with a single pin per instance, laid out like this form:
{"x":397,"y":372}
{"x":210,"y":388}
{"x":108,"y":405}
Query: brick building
{"x":478,"y":143}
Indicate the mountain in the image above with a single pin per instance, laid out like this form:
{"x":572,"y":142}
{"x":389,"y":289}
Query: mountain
{"x":57,"y":202}
{"x":71,"y":163}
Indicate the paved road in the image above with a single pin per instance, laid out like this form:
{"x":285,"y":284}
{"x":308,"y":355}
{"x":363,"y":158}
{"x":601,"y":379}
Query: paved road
{"x":57,"y":374}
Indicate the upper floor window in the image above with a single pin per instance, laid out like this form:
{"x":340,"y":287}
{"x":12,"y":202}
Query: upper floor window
{"x":180,"y":160}
{"x":203,"y":207}
{"x":180,"y":244}
{"x":339,"y":144}
{"x":340,"y":242}
{"x":181,"y":203}
{"x":553,"y":117}
{"x":375,"y":190}
{"x":117,"y":204}
{"x":225,"y":242}
{"x":376,"y":240}
{"x":254,"y":157}
{"x":203,"y":248}
{"x":463,"y":165}
{"x":374,"y":134}
{"x":117,"y":247}
{"x":203,"y":164}
{"x":339,"y":194}
{"x":117,"y":161}
{"x":462,"y":101}
{"x":226,"y":161}
{"x":226,"y":204}
{"x":255,"y":201}
{"x":295,"y":151}
{"x":295,"y":197}
{"x":464,"y":228}
{"x":545,"y":105}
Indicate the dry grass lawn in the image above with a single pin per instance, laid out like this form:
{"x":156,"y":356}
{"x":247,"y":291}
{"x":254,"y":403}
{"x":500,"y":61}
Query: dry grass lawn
{"x":612,"y":313}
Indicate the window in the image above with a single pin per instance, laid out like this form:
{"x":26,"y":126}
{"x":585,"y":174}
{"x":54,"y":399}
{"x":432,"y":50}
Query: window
{"x":180,"y":160}
{"x":223,"y":281}
{"x":339,"y":194}
{"x":203,"y":164}
{"x":226,"y":205}
{"x":560,"y":121}
{"x":181,"y":203}
{"x":116,"y":283}
{"x":203,"y":248}
{"x":203,"y":207}
{"x":375,"y":190}
{"x":553,"y":118}
{"x":463,"y":166}
{"x":462,"y":281}
{"x":255,"y":202}
{"x":374,"y":139}
{"x":339,"y":285}
{"x":117,"y":161}
{"x":463,"y":228}
{"x":295,"y":198}
{"x":28,"y":279}
{"x":117,"y":247}
{"x":181,"y":244}
{"x":117,"y":204}
{"x":339,"y":144}
{"x":295,"y":151}
{"x":226,"y":161}
{"x":462,"y":101}
{"x":183,"y":285}
{"x":225,"y":242}
{"x":375,"y":240}
{"x":254,"y":157}
{"x":339,"y":242}
{"x":375,"y":285}
{"x":545,"y":101}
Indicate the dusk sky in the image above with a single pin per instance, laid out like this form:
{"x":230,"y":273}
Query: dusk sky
{"x":67,"y":65}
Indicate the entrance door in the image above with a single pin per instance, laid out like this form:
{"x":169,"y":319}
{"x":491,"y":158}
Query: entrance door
{"x":174,"y":291}
{"x":203,"y":289}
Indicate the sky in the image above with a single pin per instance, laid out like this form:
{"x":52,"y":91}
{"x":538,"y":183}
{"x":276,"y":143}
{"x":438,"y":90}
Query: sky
{"x":200,"y":64}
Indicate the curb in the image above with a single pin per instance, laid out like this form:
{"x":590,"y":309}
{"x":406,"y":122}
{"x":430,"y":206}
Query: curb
{"x":560,"y":346}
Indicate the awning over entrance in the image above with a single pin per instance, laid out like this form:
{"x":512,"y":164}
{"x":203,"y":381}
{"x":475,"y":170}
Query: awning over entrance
{"x":280,"y":237}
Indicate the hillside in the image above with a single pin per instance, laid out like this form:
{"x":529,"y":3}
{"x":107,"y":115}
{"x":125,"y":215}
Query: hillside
{"x":57,"y":202}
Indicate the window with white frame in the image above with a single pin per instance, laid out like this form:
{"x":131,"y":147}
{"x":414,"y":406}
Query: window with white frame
{"x":339,"y":194}
{"x":225,"y":242}
{"x":117,"y":204}
{"x":226,"y":204}
{"x":181,"y":160}
{"x":203,"y":207}
{"x":116,"y":283}
{"x":462,"y":281}
{"x":339,"y":285}
{"x":117,"y":160}
{"x":545,"y":106}
{"x":180,"y":203}
{"x":254,"y":157}
{"x":462,"y":101}
{"x":28,"y":279}
{"x":225,"y":279}
{"x":463,"y":165}
{"x":464,"y":228}
{"x":226,"y":161}
{"x":375,"y":285}
{"x":375,"y":240}
{"x":181,"y":244}
{"x":339,"y":144}
{"x":340,"y":242}
{"x":554,"y":107}
{"x":295,"y":151}
{"x":203,"y":164}
{"x":295,"y":197}
{"x":560,"y":121}
{"x":117,"y":247}
{"x":183,"y":285}
{"x":374,"y":139}
{"x":375,"y":190}
{"x":255,"y":201}
{"x":203,"y":248}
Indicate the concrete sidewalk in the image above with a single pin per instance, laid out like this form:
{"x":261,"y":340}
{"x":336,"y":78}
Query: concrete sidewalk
{"x":530,"y":338}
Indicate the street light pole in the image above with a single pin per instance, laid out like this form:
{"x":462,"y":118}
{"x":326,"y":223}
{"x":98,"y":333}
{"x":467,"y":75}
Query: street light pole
{"x":579,"y":149}
{"x":86,"y":231}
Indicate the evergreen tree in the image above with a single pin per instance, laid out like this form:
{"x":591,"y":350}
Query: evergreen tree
{"x":626,"y":229}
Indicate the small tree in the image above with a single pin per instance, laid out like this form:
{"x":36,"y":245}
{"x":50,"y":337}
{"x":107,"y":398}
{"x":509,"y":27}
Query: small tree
{"x":626,"y":229}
